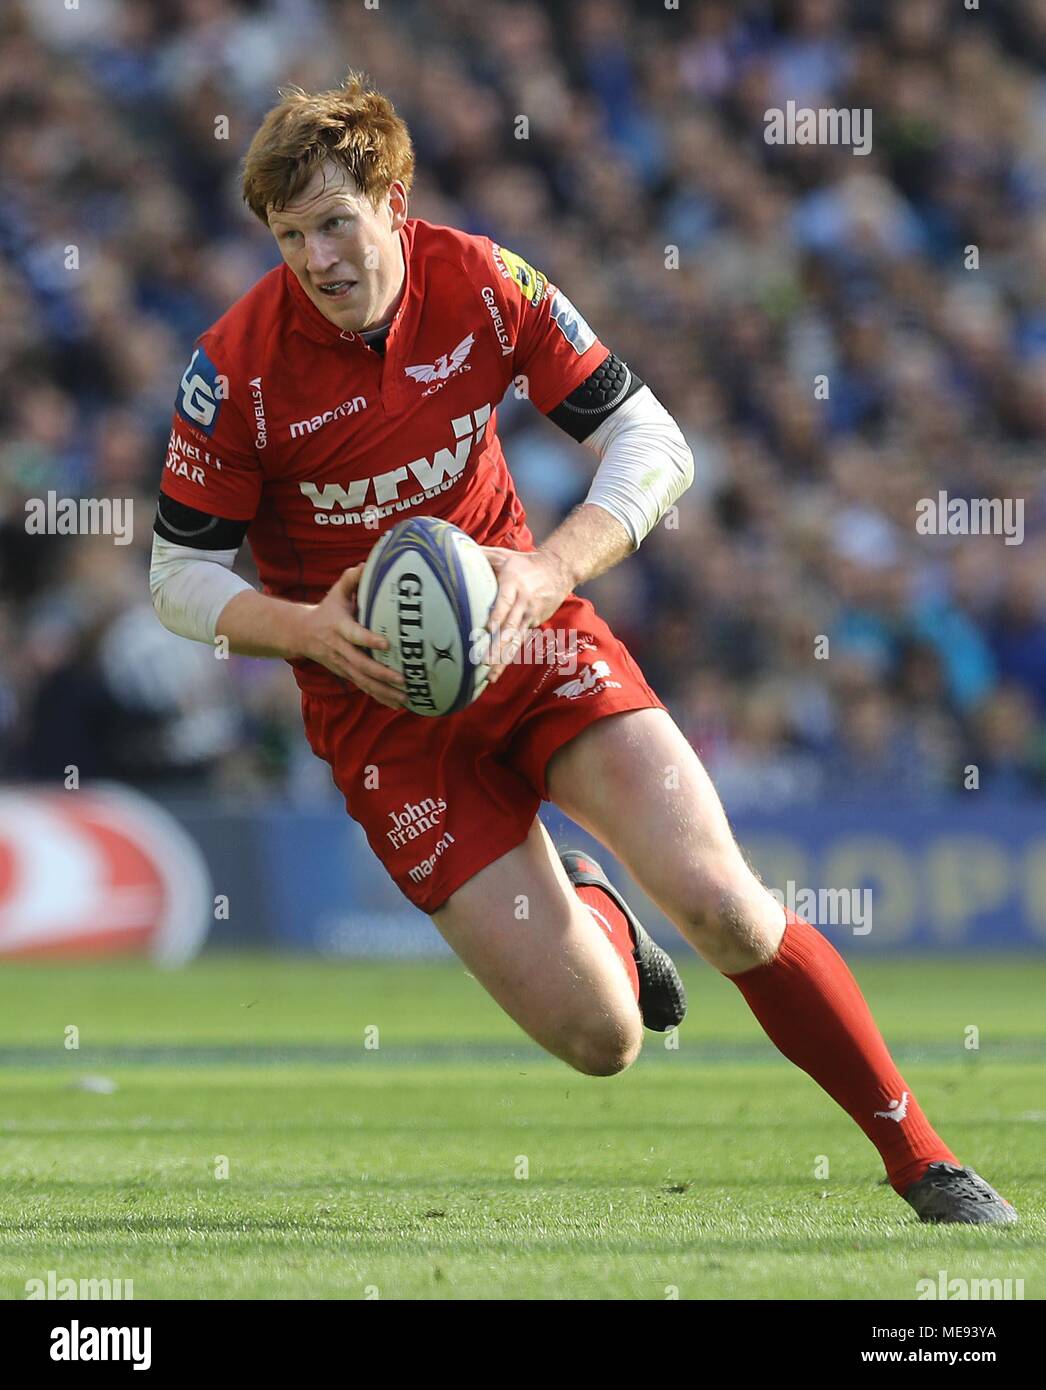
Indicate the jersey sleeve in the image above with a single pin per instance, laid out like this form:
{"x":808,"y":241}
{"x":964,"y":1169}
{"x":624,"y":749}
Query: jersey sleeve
{"x":555,"y":349}
{"x":211,"y":463}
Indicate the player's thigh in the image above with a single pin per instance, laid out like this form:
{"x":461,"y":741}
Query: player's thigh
{"x":635,"y":783}
{"x":524,"y":934}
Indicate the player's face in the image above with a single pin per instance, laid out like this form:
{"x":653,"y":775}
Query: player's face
{"x":344,"y":251}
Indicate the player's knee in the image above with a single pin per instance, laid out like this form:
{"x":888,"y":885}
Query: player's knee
{"x":606,"y":1050}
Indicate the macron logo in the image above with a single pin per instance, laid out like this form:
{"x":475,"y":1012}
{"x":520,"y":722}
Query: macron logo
{"x":317,"y":422}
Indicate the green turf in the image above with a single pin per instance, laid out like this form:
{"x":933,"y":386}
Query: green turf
{"x":457,"y":1161}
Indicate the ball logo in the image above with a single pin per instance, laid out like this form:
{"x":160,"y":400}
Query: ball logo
{"x":412,"y":650}
{"x":425,"y":585}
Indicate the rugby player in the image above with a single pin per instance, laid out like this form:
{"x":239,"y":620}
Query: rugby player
{"x":356,"y":383}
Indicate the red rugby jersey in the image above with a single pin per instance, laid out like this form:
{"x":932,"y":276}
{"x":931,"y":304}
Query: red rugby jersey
{"x":286,"y":421}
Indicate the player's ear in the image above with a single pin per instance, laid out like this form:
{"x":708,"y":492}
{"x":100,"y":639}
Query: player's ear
{"x":397,"y":203}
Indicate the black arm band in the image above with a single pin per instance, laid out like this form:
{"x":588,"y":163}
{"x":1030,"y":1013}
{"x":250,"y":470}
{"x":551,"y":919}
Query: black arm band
{"x":186,"y":526}
{"x":585,"y":409}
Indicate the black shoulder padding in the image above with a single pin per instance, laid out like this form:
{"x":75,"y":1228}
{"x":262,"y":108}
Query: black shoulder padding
{"x":186,"y":526}
{"x":598,"y":396}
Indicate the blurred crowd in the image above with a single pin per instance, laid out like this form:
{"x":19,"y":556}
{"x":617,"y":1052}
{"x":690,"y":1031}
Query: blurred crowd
{"x":838,"y":335}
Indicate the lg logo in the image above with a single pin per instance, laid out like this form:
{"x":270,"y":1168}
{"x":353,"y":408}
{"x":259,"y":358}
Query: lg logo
{"x":203,"y":390}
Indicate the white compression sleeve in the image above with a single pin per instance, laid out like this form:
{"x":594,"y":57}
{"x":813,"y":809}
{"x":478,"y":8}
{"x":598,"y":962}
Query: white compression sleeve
{"x":191,"y":587}
{"x":645,"y":464}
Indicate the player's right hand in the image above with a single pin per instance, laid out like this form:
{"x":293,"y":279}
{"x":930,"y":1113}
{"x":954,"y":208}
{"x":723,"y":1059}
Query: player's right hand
{"x":334,"y":638}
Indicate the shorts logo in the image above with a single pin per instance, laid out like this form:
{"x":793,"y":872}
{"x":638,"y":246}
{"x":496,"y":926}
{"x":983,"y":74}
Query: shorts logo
{"x":568,"y":657}
{"x":576,"y":642}
{"x":424,"y":869}
{"x":414,"y":820}
{"x":203,"y":390}
{"x":446,"y":365}
{"x":571,"y":324}
{"x":594,"y":678}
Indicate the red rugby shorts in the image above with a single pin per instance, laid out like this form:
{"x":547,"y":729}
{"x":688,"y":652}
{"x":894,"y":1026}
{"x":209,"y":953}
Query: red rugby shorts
{"x":442,"y":798}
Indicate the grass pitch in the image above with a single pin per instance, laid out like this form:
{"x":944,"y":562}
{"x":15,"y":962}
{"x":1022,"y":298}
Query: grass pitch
{"x":444,"y":1156}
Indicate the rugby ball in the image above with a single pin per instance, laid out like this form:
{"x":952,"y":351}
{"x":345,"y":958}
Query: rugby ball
{"x":429,"y":589}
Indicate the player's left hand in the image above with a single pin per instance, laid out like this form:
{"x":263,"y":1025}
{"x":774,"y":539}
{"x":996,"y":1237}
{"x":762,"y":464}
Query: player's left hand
{"x":531,"y":586}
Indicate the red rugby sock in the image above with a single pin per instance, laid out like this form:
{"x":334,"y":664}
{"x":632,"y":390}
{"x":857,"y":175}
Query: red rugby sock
{"x":812,"y":1010}
{"x":608,"y":916}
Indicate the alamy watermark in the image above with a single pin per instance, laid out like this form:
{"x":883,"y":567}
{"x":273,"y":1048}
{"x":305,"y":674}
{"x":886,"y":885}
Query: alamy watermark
{"x":538,"y":647}
{"x":79,"y":1342}
{"x":55,"y":1286}
{"x":971,"y":516}
{"x":803,"y":125}
{"x":81,"y":516}
{"x":943,"y":1287}
{"x":829,"y":907}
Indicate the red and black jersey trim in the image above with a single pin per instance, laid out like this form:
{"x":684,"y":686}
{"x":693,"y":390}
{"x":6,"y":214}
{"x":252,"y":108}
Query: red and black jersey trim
{"x":184,"y":525}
